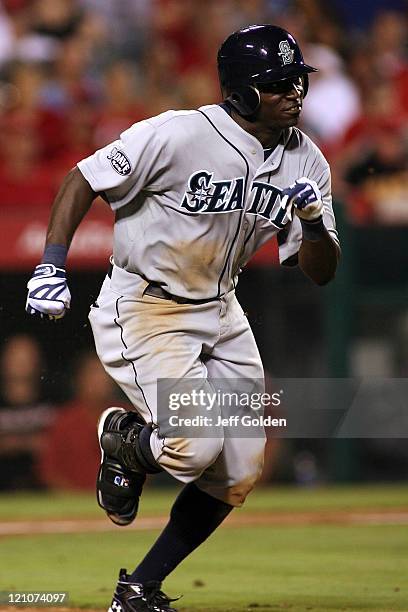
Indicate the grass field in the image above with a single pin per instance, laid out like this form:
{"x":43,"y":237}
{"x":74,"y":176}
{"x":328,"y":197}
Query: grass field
{"x":342,"y":549}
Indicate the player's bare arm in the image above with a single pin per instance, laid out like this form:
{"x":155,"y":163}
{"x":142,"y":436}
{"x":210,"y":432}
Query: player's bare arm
{"x":48,"y":293}
{"x":318,"y":256}
{"x":318,"y":252}
{"x":71,"y":204}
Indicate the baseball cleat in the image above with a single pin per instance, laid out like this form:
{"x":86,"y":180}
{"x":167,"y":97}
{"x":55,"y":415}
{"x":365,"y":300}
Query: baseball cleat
{"x":118,"y":486}
{"x":136,"y":597}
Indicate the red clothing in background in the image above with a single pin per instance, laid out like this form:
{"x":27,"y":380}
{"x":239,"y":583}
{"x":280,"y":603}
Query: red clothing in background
{"x":70,"y":458}
{"x":37,"y":188}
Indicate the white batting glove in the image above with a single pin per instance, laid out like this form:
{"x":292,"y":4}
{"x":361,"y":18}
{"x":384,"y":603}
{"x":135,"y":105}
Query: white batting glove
{"x":304,"y":198}
{"x":48,"y":294}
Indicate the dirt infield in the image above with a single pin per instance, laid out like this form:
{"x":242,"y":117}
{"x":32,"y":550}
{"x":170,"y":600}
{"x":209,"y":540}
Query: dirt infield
{"x":387,"y":516}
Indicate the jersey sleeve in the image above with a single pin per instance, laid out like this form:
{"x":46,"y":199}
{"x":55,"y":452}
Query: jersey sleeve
{"x":290,"y":237}
{"x":121,"y":169}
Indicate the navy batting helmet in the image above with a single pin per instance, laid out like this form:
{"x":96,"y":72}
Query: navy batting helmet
{"x":254,"y":57}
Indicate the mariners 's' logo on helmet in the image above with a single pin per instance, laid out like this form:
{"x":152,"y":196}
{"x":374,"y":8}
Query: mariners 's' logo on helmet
{"x":286,"y":53}
{"x":208,"y":196}
{"x":119,"y":161}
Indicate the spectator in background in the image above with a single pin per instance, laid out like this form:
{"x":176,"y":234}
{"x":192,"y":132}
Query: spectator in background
{"x":359,"y":15}
{"x":58,"y":19}
{"x":161,"y":85}
{"x":77,"y":139}
{"x":18,"y":38}
{"x":30,"y":138}
{"x":70,"y":454}
{"x":174,"y":24}
{"x":197,"y":89}
{"x":25,"y":181}
{"x":74,"y":73}
{"x":379,"y":179}
{"x":24,"y":416}
{"x":370,"y":166}
{"x":23,"y":108}
{"x":388,"y":42}
{"x":128,"y":23}
{"x":121,"y":105}
{"x":388,"y":38}
{"x":370,"y":163}
{"x":69,"y":80}
{"x":333,"y":102}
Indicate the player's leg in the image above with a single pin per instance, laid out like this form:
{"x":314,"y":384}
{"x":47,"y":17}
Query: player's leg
{"x":139,"y":340}
{"x":142,"y":340}
{"x":195,"y":514}
{"x":232,"y":365}
{"x":202,"y":506}
{"x":118,"y":487}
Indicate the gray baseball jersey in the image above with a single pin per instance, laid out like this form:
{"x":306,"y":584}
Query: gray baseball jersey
{"x":194,"y":198}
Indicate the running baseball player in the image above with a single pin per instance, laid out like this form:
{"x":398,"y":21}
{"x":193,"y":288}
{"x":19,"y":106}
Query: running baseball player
{"x":195,"y":194}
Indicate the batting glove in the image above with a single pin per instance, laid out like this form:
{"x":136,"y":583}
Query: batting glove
{"x":48,"y":293}
{"x":304,"y":197}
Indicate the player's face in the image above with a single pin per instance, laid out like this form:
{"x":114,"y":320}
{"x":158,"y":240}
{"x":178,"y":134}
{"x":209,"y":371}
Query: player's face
{"x":281,"y":103}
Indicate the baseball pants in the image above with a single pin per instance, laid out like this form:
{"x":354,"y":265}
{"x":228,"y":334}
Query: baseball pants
{"x":140,"y":339}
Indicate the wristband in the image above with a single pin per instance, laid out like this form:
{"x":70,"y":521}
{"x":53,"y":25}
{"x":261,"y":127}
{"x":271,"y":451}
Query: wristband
{"x":55,"y":254}
{"x":312,"y":230}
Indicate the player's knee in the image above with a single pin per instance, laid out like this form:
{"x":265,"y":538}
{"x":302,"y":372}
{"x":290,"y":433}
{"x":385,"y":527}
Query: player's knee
{"x":238,"y":491}
{"x":191,"y":456}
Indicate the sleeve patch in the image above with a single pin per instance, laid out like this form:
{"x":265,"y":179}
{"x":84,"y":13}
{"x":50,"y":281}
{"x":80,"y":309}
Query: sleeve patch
{"x":119,"y":162}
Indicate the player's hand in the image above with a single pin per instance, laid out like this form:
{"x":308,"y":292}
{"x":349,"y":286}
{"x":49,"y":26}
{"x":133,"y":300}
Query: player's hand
{"x":304,"y":198}
{"x":48,"y":294}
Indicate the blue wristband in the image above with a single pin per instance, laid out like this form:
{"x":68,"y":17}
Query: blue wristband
{"x":55,"y":254}
{"x":312,"y":230}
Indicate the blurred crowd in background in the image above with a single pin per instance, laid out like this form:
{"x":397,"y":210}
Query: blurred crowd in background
{"x":45,"y":443}
{"x":76,"y":73}
{"x":73,"y":75}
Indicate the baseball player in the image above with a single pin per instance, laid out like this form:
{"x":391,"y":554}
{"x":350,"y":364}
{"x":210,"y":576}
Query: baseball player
{"x":195,"y":194}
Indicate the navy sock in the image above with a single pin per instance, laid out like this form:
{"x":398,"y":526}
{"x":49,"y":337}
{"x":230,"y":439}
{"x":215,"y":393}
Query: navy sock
{"x":194,"y":516}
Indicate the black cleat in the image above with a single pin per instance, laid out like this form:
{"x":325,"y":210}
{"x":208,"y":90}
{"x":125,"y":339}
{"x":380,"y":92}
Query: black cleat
{"x":118,"y":484}
{"x":136,"y":597}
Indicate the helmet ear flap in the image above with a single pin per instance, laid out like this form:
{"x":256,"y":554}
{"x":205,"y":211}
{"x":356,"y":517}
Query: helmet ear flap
{"x":245,"y":100}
